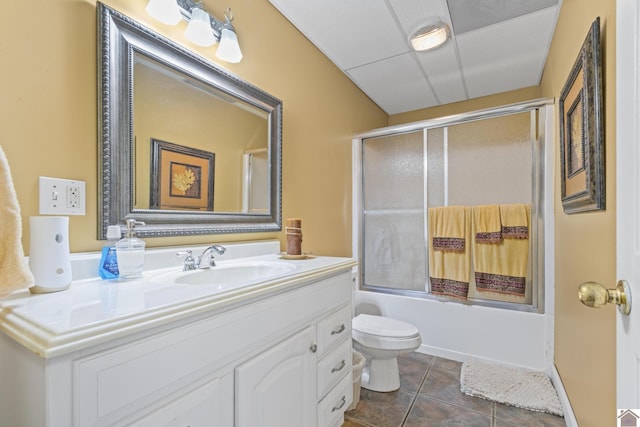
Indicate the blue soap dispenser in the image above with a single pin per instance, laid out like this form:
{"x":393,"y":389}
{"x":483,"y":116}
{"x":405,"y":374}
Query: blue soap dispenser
{"x":108,"y":268}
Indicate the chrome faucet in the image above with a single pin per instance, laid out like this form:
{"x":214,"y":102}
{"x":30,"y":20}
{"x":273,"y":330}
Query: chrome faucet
{"x":203,"y":261}
{"x":206,"y":259}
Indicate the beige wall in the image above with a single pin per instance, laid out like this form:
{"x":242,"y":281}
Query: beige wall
{"x":585,"y":243}
{"x":49,"y":112}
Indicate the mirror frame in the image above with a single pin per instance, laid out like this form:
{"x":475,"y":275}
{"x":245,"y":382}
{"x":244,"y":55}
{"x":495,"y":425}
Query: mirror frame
{"x":119,"y":37}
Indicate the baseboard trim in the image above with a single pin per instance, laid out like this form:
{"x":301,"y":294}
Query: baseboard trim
{"x":569,"y":416}
{"x":440,"y":352}
{"x":461,"y":357}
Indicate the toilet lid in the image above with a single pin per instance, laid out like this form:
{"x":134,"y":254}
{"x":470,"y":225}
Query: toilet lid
{"x":383,"y":326}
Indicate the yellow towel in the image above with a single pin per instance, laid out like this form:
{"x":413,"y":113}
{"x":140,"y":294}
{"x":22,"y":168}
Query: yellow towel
{"x":502,"y":268}
{"x":449,"y":251}
{"x":14,"y":272}
{"x":486,"y":223}
{"x":448,"y":228}
{"x":515,"y":221}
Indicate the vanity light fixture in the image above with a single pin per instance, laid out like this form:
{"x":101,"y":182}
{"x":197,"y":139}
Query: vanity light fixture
{"x":430,"y":37}
{"x":199,"y":28}
{"x":165,"y":11}
{"x":203,"y":29}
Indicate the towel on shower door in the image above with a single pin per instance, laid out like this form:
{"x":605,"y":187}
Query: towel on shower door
{"x":14,"y":272}
{"x":487,"y":225}
{"x":515,"y":221}
{"x":448,"y":227}
{"x":449,"y":251}
{"x":502,"y":268}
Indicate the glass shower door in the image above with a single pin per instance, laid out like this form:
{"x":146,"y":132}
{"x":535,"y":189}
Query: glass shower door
{"x":395,"y":253}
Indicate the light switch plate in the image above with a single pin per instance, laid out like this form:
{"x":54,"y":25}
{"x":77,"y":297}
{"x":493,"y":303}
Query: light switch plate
{"x":62,"y":196}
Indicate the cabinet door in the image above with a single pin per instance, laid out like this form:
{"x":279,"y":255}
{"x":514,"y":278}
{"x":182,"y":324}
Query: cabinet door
{"x":208,"y":405}
{"x":278,"y":387}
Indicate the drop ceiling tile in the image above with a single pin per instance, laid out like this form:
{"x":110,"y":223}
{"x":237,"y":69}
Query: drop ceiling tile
{"x":350,"y":33}
{"x":513,"y":75}
{"x":470,"y":15}
{"x":441,"y":67}
{"x":396,"y":84}
{"x":505,"y":56}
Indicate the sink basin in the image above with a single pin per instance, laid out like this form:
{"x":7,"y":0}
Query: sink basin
{"x":228,"y":276}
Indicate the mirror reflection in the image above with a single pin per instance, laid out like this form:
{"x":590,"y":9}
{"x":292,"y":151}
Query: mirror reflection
{"x":175,"y":108}
{"x":185,"y":146}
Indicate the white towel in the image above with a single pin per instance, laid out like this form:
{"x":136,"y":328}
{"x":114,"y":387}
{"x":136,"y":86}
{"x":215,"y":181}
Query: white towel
{"x":14,"y":272}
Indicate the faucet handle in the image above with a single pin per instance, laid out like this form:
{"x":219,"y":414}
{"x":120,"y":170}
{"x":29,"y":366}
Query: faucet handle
{"x":189,"y":262}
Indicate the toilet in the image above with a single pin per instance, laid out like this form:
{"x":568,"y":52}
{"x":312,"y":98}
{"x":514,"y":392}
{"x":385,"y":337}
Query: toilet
{"x":380,"y":340}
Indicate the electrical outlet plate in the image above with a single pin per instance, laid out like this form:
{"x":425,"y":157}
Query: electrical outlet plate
{"x":62,"y":196}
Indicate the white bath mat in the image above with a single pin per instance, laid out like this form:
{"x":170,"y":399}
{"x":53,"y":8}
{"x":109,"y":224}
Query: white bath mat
{"x":516,"y":387}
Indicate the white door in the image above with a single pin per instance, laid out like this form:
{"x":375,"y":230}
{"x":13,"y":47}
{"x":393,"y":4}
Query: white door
{"x":628,"y":200}
{"x":255,"y":185}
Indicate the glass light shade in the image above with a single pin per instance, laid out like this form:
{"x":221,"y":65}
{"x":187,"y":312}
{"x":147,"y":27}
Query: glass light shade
{"x":199,"y":29}
{"x":165,"y":11}
{"x":229,"y":49}
{"x":430,"y":37}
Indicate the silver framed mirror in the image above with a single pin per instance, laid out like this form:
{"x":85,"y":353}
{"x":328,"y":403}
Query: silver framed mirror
{"x":151,"y":89}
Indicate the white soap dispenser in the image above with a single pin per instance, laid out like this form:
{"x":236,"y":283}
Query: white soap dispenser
{"x":130,"y":252}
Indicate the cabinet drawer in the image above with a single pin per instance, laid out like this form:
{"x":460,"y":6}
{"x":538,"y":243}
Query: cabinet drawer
{"x":331,"y":408}
{"x":333,"y":329}
{"x":333,"y":367}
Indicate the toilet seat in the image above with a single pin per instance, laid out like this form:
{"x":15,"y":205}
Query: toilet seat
{"x":384,"y":333}
{"x":381,"y":326}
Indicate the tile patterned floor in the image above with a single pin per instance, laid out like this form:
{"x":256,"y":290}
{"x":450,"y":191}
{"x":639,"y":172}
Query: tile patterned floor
{"x":430,"y":396}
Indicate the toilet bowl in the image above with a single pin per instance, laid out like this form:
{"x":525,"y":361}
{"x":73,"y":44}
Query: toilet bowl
{"x":381,"y":339}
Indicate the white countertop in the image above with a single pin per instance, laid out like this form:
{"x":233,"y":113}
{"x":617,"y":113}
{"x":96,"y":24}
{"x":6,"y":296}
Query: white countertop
{"x":93,"y":311}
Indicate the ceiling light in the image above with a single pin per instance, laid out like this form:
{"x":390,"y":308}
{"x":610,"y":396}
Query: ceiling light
{"x":430,"y":37}
{"x":165,"y":11}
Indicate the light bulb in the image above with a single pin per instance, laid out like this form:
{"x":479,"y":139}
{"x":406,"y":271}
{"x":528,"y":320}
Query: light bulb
{"x":199,"y":29}
{"x":165,"y":11}
{"x":229,"y":49}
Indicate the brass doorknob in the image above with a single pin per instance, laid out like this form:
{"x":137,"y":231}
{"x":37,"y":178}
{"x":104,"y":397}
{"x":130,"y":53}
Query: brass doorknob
{"x":593,"y":294}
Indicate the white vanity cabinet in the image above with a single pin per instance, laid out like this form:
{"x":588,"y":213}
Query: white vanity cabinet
{"x":277,"y":359}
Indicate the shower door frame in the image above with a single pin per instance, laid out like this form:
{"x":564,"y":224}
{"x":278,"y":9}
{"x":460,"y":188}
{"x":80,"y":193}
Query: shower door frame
{"x":541,"y":204}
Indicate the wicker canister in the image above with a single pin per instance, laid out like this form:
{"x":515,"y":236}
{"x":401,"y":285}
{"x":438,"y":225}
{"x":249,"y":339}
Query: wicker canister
{"x":294,"y":236}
